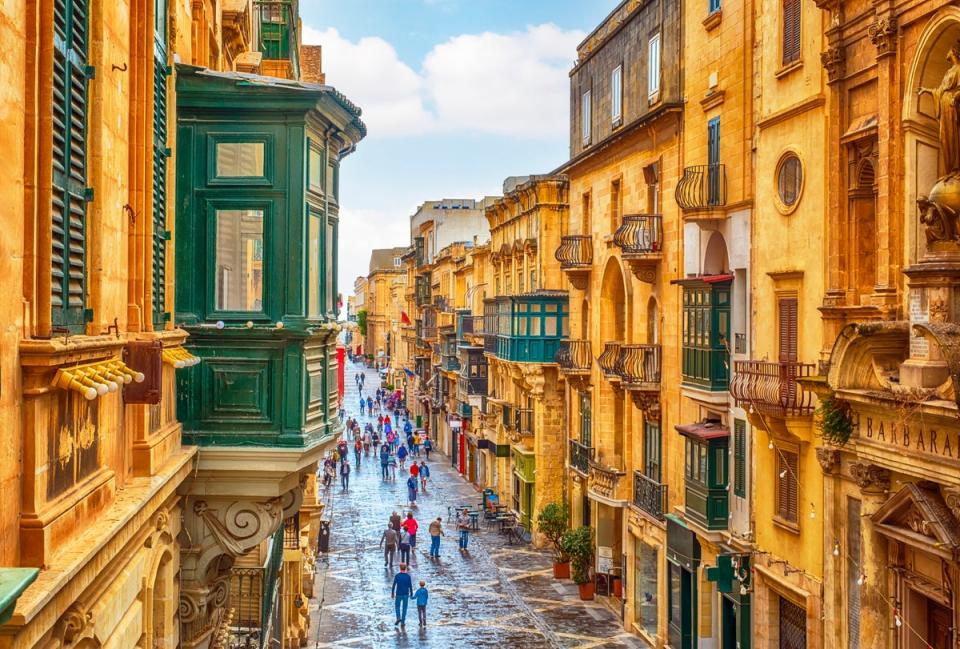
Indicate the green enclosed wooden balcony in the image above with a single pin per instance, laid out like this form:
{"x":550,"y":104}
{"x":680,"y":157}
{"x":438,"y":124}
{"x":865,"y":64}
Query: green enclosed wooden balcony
{"x":705,"y":474}
{"x":706,"y":332}
{"x":529,"y":327}
{"x":422,"y":290}
{"x":257,"y":217}
{"x":524,"y":464}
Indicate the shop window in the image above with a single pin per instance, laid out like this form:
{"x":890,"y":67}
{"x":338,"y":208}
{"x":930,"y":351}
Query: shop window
{"x":239,"y":260}
{"x":646,"y":587}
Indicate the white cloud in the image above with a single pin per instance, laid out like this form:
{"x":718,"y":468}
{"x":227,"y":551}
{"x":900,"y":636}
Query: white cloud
{"x":371,"y":74}
{"x":508,"y":84}
{"x":363,"y":230}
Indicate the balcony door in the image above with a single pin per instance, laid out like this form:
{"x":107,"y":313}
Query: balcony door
{"x":713,"y":161}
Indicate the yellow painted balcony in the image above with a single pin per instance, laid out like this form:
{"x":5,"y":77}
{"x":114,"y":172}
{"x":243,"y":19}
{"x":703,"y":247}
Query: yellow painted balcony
{"x":575,"y":356}
{"x":771,"y":388}
{"x":640,"y":239}
{"x":608,"y":361}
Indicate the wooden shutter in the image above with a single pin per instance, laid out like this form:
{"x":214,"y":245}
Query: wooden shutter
{"x":159,"y":180}
{"x":739,"y":458}
{"x":787,"y":312}
{"x":70,"y":193}
{"x":787,"y":487}
{"x":791,"y":31}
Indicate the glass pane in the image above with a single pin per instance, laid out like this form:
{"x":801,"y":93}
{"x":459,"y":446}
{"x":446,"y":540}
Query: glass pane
{"x":330,"y":268}
{"x":316,"y":169}
{"x":550,"y":308}
{"x":535,"y":326}
{"x":550,"y":325}
{"x":521,"y":326}
{"x":239,"y":256}
{"x":313,"y":267}
{"x":240,"y":159}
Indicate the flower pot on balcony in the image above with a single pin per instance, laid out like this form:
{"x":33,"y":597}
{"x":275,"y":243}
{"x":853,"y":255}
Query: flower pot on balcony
{"x":561,"y":570}
{"x":586,"y":590}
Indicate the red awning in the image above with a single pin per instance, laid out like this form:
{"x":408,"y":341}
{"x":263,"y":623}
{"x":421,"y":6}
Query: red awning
{"x":706,"y":279}
{"x":703,"y":430}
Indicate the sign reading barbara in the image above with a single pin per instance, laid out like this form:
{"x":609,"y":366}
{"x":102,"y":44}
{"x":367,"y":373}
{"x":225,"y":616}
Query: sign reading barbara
{"x":943,"y":444}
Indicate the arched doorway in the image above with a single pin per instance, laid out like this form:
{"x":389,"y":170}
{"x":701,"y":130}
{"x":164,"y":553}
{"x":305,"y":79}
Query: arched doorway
{"x":613,"y":328}
{"x":715,"y":256}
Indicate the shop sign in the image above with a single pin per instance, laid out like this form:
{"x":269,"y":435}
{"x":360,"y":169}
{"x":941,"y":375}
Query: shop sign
{"x":900,"y":436}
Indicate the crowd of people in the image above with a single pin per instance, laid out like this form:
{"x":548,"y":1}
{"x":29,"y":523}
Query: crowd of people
{"x":389,"y":435}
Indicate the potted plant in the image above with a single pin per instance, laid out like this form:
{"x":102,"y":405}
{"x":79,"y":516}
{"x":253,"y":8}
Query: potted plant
{"x":553,"y":521}
{"x":578,"y":545}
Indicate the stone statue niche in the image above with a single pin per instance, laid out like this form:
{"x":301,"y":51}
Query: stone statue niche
{"x":940,"y":209}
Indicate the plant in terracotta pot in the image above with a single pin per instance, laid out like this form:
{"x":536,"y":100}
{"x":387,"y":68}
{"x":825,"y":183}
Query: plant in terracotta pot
{"x":553,"y":521}
{"x":578,"y":544}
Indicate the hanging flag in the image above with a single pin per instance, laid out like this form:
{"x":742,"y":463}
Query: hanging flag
{"x":404,"y":318}
{"x":408,"y":372}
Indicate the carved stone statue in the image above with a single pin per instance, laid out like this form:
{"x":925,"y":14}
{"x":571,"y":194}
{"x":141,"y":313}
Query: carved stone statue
{"x":947,"y":99}
{"x":940,"y":210}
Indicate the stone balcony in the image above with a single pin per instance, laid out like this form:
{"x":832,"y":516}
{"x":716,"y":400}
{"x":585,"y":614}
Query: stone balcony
{"x":575,"y":255}
{"x":606,"y":482}
{"x":640,"y":239}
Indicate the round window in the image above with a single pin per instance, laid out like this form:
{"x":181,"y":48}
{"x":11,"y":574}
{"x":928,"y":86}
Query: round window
{"x":789,"y":180}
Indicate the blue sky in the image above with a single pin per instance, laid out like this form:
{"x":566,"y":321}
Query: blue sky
{"x":457,"y":95}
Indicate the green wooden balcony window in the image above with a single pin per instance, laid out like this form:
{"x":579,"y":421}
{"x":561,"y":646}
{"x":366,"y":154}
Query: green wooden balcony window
{"x":239,"y":260}
{"x":530,"y":327}
{"x":705,"y":472}
{"x":706,"y":335}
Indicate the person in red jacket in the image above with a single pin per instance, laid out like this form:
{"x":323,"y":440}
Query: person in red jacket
{"x":410,"y":524}
{"x":414,"y":470}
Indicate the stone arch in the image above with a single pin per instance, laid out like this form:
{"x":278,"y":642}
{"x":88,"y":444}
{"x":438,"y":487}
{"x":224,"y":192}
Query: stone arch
{"x":608,"y":406}
{"x":866,"y":356}
{"x":929,"y":62}
{"x":160,"y":602}
{"x":715,"y":259}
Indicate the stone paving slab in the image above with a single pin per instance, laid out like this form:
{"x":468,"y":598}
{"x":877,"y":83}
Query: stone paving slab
{"x":492,"y":595}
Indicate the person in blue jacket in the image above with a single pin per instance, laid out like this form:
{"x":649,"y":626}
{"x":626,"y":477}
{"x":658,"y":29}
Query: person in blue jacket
{"x":401,"y":592}
{"x":421,"y":596}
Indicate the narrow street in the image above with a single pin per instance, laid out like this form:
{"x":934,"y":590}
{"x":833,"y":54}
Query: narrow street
{"x":493,"y":595}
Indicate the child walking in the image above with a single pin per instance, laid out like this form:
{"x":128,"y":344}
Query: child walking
{"x":421,"y":596}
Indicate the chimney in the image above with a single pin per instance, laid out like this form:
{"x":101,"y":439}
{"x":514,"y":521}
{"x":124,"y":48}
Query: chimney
{"x":311,"y":70}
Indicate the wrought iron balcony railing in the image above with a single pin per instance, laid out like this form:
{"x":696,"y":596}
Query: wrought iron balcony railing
{"x":639,"y":366}
{"x":640,"y":234}
{"x":580,"y":456}
{"x":608,"y":360}
{"x":523,"y":421}
{"x":291,"y":532}
{"x":649,"y":495}
{"x":771,"y":387}
{"x":702,"y":187}
{"x":575,"y":252}
{"x":574,"y":356}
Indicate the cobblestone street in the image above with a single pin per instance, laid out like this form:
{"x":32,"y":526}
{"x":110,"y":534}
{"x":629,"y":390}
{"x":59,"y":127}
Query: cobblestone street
{"x":493,"y":595}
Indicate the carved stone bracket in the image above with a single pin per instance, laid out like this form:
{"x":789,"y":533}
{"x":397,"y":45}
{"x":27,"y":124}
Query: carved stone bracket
{"x":870,"y":477}
{"x":648,"y":402}
{"x":216,"y":532}
{"x":534,"y":380}
{"x":951,"y":495}
{"x":834,"y":61}
{"x":74,"y":626}
{"x":883,"y":34}
{"x":829,"y":459}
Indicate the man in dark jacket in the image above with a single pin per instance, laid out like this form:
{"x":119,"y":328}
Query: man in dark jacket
{"x":401,"y":592}
{"x":345,"y":475}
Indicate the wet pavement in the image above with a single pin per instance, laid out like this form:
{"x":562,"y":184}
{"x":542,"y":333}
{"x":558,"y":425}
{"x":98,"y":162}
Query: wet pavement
{"x":492,"y":595}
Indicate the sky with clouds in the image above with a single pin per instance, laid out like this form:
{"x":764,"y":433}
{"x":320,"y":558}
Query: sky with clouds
{"x":457,"y":95}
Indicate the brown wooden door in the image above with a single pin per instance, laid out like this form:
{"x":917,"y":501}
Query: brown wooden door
{"x":938,"y":626}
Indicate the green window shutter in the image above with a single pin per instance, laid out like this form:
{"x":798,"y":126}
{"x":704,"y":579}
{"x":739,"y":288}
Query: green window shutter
{"x":159,"y":239}
{"x":740,"y":458}
{"x":70,"y":193}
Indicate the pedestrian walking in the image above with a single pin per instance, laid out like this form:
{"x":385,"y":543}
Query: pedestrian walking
{"x":395,"y":521}
{"x":404,"y":546}
{"x":329,"y":473}
{"x":411,"y":525}
{"x":463,"y":524}
{"x":384,"y":462}
{"x":342,"y":413}
{"x":402,"y":456}
{"x":345,"y":475}
{"x":424,"y":474}
{"x":388,"y":541}
{"x":393,"y":468}
{"x":412,"y":491}
{"x":436,"y":531}
{"x":427,"y":447}
{"x":363,"y":404}
{"x":415,"y":470}
{"x":421,"y":597}
{"x":416,"y":444}
{"x":401,"y":591}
